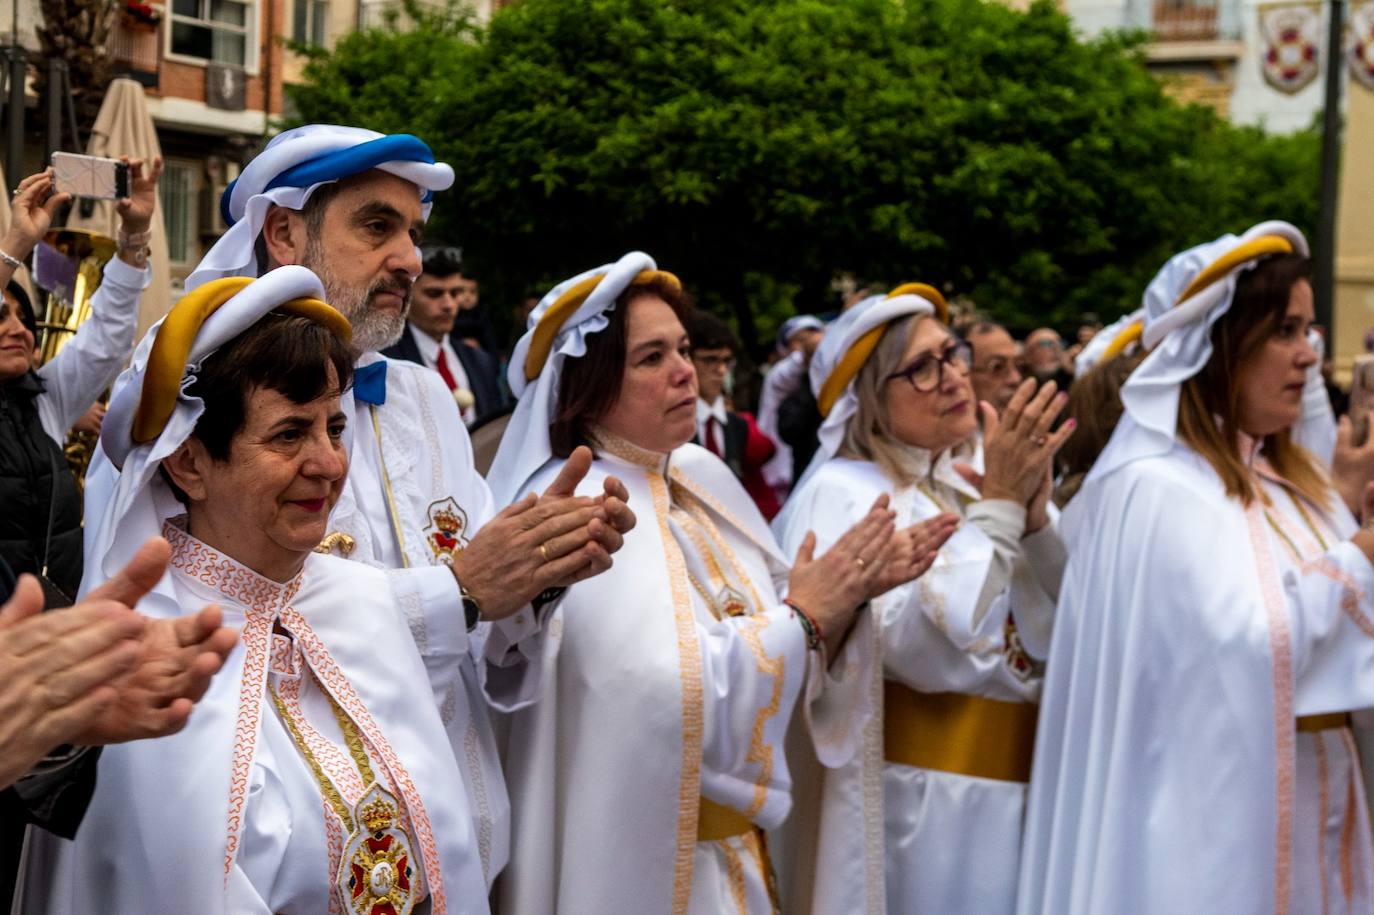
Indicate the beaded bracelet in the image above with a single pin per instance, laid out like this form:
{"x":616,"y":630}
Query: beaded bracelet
{"x":815,"y":640}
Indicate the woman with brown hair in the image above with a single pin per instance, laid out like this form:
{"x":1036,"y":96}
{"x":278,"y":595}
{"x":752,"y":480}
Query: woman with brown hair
{"x":644,"y":776}
{"x":1214,"y":624}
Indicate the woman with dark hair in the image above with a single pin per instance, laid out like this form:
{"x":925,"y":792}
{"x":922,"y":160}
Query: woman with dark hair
{"x":679,"y":669}
{"x":316,"y":775}
{"x":1215,"y":624}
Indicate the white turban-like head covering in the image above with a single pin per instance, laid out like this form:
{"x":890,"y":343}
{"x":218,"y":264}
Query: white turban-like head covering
{"x":794,"y":324}
{"x":1182,"y":303}
{"x":1109,"y":342}
{"x":558,"y":330}
{"x":848,"y":343}
{"x":293,"y":165}
{"x":151,"y":414}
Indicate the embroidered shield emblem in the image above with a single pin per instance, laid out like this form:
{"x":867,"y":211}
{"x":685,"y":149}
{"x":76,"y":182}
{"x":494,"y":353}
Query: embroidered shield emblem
{"x":447,"y":530}
{"x":1018,"y":662}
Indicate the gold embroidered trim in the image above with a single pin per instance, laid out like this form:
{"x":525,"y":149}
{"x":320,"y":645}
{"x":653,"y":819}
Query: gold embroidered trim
{"x":327,"y":789}
{"x":386,"y":488}
{"x":734,"y":872}
{"x":693,"y":725}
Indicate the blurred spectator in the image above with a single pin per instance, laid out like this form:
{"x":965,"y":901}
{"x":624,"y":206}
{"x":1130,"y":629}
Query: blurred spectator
{"x":797,"y":340}
{"x":1044,"y":357}
{"x":40,"y":526}
{"x":432,"y":337}
{"x":995,"y":375}
{"x":732,"y":436}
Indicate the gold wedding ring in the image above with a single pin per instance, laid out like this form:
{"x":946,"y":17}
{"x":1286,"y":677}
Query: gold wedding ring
{"x":859,"y":560}
{"x":544,"y":552}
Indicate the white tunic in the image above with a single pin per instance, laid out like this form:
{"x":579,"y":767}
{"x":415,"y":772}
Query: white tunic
{"x":659,"y":698}
{"x":1169,"y":776}
{"x":226,"y":816}
{"x":898,"y":838}
{"x":412,"y":456}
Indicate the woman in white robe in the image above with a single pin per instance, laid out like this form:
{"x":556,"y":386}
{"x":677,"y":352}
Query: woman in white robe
{"x":316,"y":775}
{"x":928,"y":818}
{"x":1215,"y":625}
{"x":642,"y":778}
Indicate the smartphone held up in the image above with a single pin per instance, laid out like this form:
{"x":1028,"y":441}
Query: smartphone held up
{"x":90,"y":176}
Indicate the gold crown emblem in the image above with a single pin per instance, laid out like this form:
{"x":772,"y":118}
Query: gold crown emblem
{"x":447,"y":521}
{"x":378,"y":815}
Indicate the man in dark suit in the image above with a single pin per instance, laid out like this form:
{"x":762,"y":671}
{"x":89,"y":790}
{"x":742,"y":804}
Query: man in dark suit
{"x":471,"y":373}
{"x":732,"y":436}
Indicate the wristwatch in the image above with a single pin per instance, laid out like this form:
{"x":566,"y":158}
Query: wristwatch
{"x":472,"y":611}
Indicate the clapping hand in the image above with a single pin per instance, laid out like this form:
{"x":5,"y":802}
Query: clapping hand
{"x":912,"y":551}
{"x":176,"y":659}
{"x":831,"y":587}
{"x":552,"y":540}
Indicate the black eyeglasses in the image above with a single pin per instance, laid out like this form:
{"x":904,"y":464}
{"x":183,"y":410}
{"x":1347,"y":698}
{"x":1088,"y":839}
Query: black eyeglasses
{"x":928,"y":371}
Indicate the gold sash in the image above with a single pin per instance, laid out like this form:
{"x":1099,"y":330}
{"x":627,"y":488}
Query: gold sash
{"x":1311,"y":724}
{"x":717,"y":822}
{"x":954,"y":732}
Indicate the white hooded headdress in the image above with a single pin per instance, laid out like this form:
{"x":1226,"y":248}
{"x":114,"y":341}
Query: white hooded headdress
{"x":558,"y":330}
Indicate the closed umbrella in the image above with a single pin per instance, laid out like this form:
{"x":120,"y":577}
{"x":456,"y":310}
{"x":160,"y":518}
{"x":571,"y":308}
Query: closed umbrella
{"x":124,"y":128}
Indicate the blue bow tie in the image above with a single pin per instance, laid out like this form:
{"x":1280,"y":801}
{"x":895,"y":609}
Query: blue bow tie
{"x":369,"y":383}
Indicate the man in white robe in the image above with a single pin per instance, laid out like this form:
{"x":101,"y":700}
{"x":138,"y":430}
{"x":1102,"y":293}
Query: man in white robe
{"x":414,"y":502}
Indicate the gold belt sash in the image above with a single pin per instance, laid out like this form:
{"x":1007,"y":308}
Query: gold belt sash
{"x":1311,"y":724}
{"x":954,"y":732}
{"x":717,"y":822}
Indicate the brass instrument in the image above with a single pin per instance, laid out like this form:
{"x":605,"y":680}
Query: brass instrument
{"x":64,"y":312}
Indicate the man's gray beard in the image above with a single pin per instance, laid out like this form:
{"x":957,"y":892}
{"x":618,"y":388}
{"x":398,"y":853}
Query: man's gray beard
{"x":372,"y":330}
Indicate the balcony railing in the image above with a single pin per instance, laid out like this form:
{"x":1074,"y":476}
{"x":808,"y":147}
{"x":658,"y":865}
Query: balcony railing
{"x":135,"y":50}
{"x":1181,"y":20}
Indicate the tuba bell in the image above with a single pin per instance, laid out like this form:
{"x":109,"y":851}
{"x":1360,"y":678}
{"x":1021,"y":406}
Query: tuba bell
{"x":66,"y":307}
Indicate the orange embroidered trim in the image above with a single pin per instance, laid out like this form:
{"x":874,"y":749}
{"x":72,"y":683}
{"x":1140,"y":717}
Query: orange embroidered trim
{"x":1281,"y":650}
{"x":1351,"y":595}
{"x":1352,"y":798}
{"x":760,"y":752}
{"x":693,"y":725}
{"x":332,"y":679}
{"x":259,"y":597}
{"x":734,"y":872}
{"x":1323,"y":805}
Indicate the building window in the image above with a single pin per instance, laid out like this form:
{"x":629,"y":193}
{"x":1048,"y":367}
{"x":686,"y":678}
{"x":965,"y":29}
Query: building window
{"x":311,"y":22}
{"x":217,"y":30}
{"x":179,"y":194}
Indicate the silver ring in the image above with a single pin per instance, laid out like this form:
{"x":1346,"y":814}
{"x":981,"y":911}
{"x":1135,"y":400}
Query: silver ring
{"x":1039,"y":440}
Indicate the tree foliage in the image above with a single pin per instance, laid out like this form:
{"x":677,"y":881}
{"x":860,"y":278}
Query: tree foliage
{"x":761,"y":148}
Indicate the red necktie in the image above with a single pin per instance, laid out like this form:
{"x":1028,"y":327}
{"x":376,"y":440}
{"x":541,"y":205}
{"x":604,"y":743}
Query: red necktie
{"x":712,"y":439}
{"x":442,"y":367}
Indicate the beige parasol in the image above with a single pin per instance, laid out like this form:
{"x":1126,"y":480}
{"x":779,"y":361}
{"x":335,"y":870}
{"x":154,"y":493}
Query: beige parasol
{"x":124,"y":128}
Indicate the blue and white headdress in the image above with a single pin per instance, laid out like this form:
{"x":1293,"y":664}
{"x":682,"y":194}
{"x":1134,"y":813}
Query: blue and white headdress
{"x":297,"y":162}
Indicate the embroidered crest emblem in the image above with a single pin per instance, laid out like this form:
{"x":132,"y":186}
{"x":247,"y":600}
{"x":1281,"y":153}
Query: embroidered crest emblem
{"x":446,"y":532}
{"x":1290,"y":60}
{"x":377,"y":871}
{"x":1018,"y":662}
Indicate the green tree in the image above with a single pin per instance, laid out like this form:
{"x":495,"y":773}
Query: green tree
{"x":761,"y":149}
